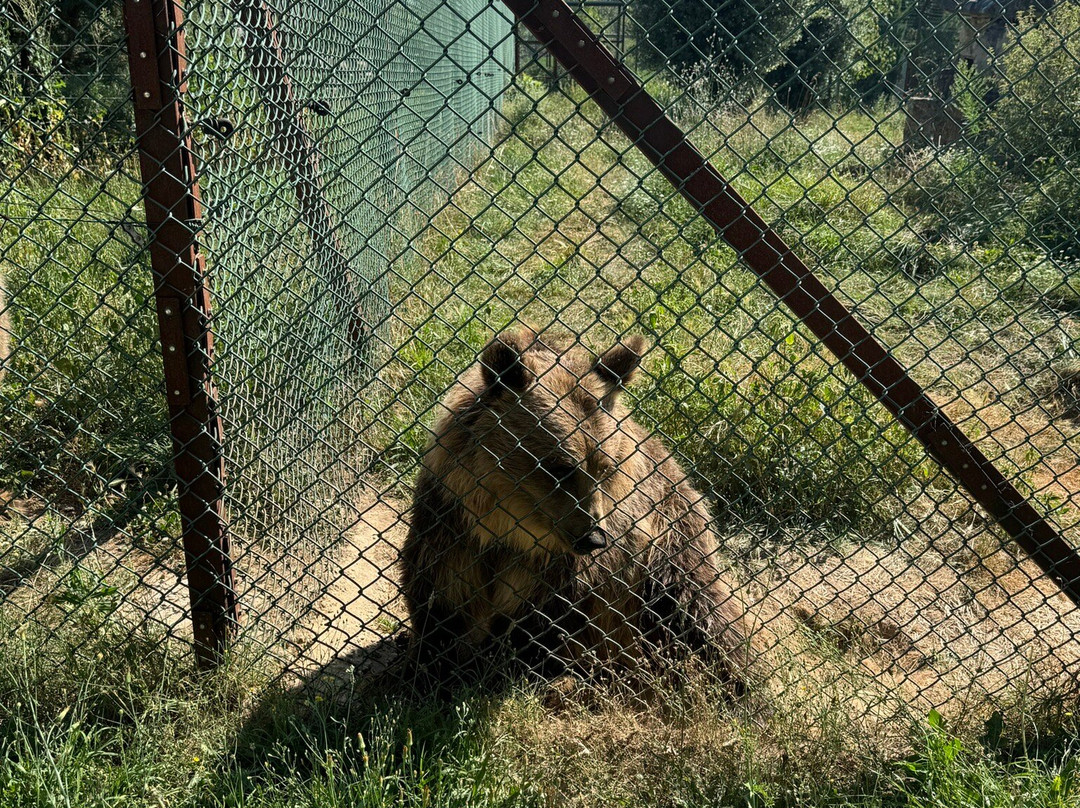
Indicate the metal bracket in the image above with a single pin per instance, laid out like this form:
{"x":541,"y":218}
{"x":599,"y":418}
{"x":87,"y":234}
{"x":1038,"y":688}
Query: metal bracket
{"x":142,"y":54}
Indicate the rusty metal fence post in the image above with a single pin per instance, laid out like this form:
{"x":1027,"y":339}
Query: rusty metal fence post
{"x":157,"y":61}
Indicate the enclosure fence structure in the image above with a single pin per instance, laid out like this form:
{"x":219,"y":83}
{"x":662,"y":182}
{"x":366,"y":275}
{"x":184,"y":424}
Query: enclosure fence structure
{"x":866,"y":495}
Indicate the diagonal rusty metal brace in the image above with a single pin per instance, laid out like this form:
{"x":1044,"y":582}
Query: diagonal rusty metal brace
{"x":616,"y":90}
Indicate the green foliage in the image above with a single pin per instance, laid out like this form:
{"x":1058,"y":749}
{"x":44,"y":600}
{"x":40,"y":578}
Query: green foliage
{"x":842,"y":52}
{"x":32,"y":101}
{"x":1038,"y":114}
{"x":738,"y":33}
{"x":805,"y":51}
{"x":383,"y":754}
{"x":1017,"y":174}
{"x":83,"y":591}
{"x":125,"y":722}
{"x":947,"y":771}
{"x":970,"y":91}
{"x":64,"y":86}
{"x":968,"y":194}
{"x":790,"y":442}
{"x":128,"y":724}
{"x":1037,"y":121}
{"x":83,"y":397}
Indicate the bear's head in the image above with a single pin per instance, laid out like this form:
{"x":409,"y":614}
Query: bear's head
{"x":551,"y":440}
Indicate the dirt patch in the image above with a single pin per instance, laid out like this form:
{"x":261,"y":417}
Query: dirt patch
{"x":942,"y":621}
{"x":930,"y":624}
{"x":363,"y":605}
{"x":302,"y":603}
{"x":941,"y":631}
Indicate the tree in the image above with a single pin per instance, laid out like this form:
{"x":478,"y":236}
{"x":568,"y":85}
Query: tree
{"x":806,"y":50}
{"x":744,"y":35}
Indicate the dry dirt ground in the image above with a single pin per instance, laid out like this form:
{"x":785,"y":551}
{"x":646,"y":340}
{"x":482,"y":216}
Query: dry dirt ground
{"x":931,"y":622}
{"x":363,"y":606}
{"x":942,"y":621}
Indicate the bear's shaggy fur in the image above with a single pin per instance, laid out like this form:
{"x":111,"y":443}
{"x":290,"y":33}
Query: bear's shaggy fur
{"x":546,"y":520}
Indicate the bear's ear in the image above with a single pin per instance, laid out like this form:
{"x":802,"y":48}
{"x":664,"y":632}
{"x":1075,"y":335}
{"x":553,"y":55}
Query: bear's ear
{"x":617,"y":367}
{"x":501,"y":363}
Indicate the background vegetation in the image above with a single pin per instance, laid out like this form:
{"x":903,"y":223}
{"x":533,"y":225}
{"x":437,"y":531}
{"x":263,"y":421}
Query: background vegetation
{"x":961,"y":259}
{"x":837,"y":52}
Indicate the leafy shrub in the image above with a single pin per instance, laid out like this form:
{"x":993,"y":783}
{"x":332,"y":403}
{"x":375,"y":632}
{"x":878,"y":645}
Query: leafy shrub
{"x":740,"y":33}
{"x":805,"y":51}
{"x":1038,"y":114}
{"x":31,"y":91}
{"x":789,"y":443}
{"x":1017,"y":175}
{"x":83,"y":396}
{"x":64,"y":84}
{"x":1037,"y":121}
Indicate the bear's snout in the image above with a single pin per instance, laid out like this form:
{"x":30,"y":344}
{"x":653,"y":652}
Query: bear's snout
{"x":595,"y":539}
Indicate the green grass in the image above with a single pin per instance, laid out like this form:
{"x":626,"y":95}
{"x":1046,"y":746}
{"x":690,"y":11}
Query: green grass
{"x":85,"y":453}
{"x":130,"y":724}
{"x":83,"y":394}
{"x":562,"y":228}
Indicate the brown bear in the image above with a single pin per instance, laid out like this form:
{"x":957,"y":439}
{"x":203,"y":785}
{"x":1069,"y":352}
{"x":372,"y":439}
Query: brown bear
{"x":548,"y":523}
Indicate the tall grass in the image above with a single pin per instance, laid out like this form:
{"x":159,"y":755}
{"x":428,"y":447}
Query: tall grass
{"x":134,"y":726}
{"x":82,"y":401}
{"x":563,"y":228}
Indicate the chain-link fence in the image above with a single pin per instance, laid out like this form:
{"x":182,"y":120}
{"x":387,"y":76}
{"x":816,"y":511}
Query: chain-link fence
{"x":656,"y":462}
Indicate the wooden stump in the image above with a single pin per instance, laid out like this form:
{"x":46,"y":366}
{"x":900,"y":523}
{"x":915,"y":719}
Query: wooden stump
{"x":931,"y":123}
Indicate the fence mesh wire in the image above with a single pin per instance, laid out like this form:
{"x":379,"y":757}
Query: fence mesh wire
{"x":386,"y":190}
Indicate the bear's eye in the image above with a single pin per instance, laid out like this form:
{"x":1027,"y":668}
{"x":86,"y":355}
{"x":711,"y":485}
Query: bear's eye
{"x":559,"y":469}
